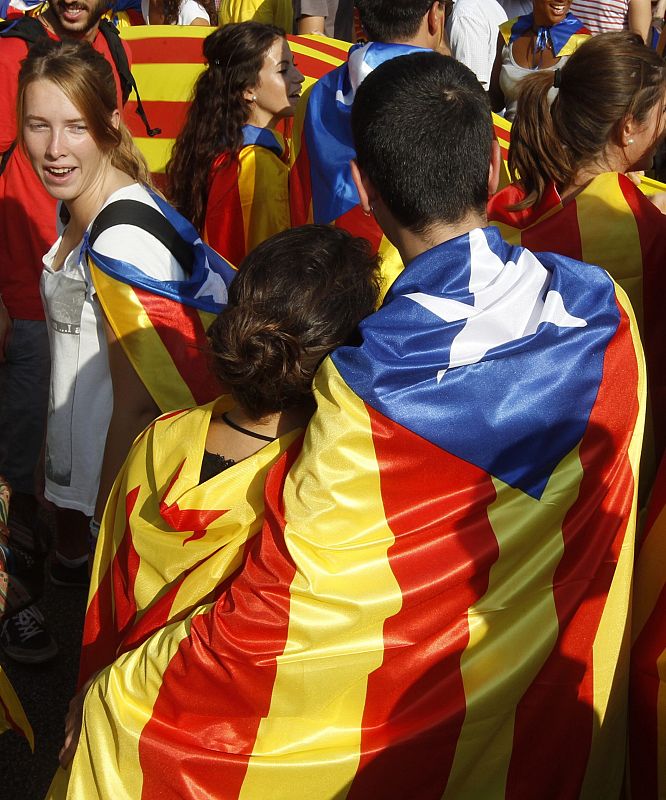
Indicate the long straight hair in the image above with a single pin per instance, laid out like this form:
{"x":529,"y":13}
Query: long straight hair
{"x":86,"y":78}
{"x":609,"y":79}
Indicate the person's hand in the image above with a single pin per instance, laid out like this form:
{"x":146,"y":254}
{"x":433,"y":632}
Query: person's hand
{"x":659,"y":200}
{"x":5,"y":330}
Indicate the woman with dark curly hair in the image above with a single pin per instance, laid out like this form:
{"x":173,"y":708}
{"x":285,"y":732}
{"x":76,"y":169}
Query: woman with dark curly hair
{"x":228,"y":172}
{"x":196,"y":477}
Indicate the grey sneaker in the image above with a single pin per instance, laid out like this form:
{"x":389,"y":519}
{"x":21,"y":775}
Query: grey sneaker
{"x":26,"y":639}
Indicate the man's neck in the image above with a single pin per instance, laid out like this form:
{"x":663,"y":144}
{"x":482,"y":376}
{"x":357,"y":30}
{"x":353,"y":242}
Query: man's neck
{"x":411,"y":245}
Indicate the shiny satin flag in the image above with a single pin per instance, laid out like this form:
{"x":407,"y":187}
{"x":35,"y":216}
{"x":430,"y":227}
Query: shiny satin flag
{"x":565,"y":36}
{"x":167,"y":542}
{"x":161,"y":325}
{"x":437,"y":603}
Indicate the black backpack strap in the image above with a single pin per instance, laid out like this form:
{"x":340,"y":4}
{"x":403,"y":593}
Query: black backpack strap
{"x":141,"y":215}
{"x":4,"y":159}
{"x":127,"y":82}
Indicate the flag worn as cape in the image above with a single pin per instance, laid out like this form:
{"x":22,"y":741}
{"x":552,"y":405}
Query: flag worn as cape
{"x":166,"y":62}
{"x":647,"y":689}
{"x":162,"y":325}
{"x":248,"y":197}
{"x":166,"y":541}
{"x":610,"y":223}
{"x":321,"y":189}
{"x":566,"y":36}
{"x":437,"y":603}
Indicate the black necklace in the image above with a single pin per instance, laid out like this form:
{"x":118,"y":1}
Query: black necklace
{"x":246,"y":431}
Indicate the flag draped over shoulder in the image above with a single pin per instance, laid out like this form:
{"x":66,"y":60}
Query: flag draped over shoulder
{"x":166,"y":62}
{"x":612,"y":224}
{"x":565,"y":37}
{"x":248,"y":197}
{"x":437,"y":603}
{"x":167,"y":542}
{"x":162,"y":325}
{"x":321,"y":186}
{"x":647,"y":695}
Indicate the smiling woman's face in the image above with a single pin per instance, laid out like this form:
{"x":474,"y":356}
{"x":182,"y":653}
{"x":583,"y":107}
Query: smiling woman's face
{"x":550,"y":12}
{"x":279,"y":86}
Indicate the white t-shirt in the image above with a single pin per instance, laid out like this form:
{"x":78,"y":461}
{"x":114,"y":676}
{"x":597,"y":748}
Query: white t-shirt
{"x":189,"y":11}
{"x":473,"y":33}
{"x":601,"y":16}
{"x":81,"y":394}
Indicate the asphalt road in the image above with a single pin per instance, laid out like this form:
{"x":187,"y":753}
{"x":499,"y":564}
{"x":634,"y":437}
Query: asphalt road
{"x":45,"y":691}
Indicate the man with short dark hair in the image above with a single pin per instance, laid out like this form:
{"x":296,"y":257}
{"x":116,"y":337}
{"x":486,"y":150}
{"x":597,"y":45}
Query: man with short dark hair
{"x":27,"y":231}
{"x":437,"y":604}
{"x":321,"y":189}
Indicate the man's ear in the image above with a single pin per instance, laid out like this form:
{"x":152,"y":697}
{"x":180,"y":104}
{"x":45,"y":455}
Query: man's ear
{"x":436,"y":18}
{"x":495,"y":168}
{"x":366,"y":191}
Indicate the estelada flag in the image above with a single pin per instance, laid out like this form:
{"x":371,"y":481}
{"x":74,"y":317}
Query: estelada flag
{"x":167,"y":541}
{"x":565,"y":37}
{"x":612,"y":224}
{"x":321,"y":188}
{"x":437,"y":605}
{"x":647,"y":688}
{"x":161,"y":325}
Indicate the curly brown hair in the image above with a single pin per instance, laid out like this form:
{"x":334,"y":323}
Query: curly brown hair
{"x":298,"y":296}
{"x":235,"y":54}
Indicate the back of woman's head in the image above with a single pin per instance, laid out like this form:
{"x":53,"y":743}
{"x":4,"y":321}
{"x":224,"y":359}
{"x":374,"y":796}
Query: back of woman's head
{"x":86,"y":78}
{"x":297,"y":296}
{"x":609,"y":79}
{"x":235,"y":54}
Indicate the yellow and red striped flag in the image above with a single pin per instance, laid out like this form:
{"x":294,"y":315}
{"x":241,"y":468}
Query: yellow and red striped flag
{"x":437,"y":604}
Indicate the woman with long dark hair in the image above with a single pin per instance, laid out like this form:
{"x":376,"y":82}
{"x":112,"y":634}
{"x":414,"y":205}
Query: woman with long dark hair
{"x":228,"y":172}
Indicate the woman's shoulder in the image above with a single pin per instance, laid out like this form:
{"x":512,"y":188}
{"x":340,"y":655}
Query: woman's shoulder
{"x":133,"y":244}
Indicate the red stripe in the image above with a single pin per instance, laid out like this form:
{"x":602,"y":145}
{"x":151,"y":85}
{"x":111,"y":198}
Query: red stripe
{"x":320,"y":46}
{"x":225,"y":225}
{"x":554,"y":726}
{"x":183,"y":335}
{"x":169,"y":116}
{"x":360,"y":224}
{"x":167,"y":50}
{"x":443,"y":551}
{"x":651,"y":224}
{"x":643,"y":703}
{"x":113,"y":606}
{"x":218,"y":686}
{"x":313,"y":67}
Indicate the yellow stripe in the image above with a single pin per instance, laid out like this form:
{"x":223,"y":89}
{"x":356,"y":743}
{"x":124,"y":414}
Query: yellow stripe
{"x":165,"y":32}
{"x":166,"y":82}
{"x":610,"y":652}
{"x":117,"y":707}
{"x":157,"y":152}
{"x":340,"y":601}
{"x":141,"y":342}
{"x":516,"y":615}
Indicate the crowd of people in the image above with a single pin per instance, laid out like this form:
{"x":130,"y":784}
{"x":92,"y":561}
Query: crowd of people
{"x":346,"y":438}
